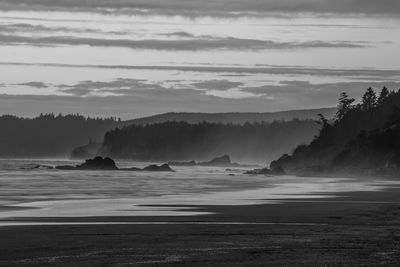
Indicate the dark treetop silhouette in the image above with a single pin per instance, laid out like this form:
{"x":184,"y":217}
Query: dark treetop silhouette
{"x":364,"y":139}
{"x":49,"y":135}
{"x":251,"y":142}
{"x":52,"y":135}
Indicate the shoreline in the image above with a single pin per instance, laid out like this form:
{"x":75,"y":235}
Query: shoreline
{"x":323,"y":203}
{"x":195,"y":205}
{"x":359,"y":226}
{"x":354,"y":229}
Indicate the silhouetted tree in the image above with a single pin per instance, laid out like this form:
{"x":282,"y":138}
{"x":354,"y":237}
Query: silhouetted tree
{"x":366,"y":137}
{"x":345,"y":104}
{"x":368,"y":99}
{"x":49,"y":135}
{"x":382,"y":96}
{"x":184,"y":141}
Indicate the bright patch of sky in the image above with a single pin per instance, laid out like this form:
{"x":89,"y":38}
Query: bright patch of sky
{"x":271,"y":61}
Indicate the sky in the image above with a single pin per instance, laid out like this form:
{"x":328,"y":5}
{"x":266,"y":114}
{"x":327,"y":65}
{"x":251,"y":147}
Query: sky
{"x":134,"y":58}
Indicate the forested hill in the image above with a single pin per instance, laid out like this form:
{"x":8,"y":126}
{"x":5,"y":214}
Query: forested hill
{"x":251,"y":142}
{"x":52,"y":135}
{"x":236,"y":118}
{"x":49,"y":135}
{"x":364,"y":139}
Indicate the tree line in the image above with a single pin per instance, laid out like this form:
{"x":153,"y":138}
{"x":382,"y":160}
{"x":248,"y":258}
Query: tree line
{"x":362,"y":136}
{"x":201,"y":141}
{"x":50,"y":135}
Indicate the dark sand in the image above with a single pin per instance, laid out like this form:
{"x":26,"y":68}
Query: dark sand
{"x":356,"y":229}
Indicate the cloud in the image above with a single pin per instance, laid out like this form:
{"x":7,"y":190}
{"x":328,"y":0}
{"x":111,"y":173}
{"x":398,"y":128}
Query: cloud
{"x":33,"y":28}
{"x":199,"y":44}
{"x":35,"y":84}
{"x":145,"y":89}
{"x":134,"y":98}
{"x":304,"y":91}
{"x":179,"y":34}
{"x":217,"y":85}
{"x":76,"y":91}
{"x":86,"y":88}
{"x":210,"y":7}
{"x":360,"y":73}
{"x":133,"y":105}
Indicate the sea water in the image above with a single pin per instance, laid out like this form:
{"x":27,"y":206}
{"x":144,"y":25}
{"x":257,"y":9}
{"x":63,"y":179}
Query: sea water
{"x":29,"y":192}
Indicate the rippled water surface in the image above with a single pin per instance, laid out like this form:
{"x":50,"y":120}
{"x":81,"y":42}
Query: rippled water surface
{"x":28,"y":192}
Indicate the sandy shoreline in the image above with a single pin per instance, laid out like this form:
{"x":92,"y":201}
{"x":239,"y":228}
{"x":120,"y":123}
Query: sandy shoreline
{"x":355,"y":229}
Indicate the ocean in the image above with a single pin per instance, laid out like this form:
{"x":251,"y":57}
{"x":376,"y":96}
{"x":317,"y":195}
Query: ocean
{"x":27,"y":192}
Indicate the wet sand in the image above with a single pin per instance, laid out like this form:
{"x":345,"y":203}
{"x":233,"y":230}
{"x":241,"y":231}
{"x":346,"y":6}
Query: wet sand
{"x":355,"y":229}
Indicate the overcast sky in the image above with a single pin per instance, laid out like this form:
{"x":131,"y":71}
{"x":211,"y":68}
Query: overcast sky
{"x":132,"y":58}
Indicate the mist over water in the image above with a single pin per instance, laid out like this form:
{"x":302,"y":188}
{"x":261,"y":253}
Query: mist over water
{"x":27,"y":192}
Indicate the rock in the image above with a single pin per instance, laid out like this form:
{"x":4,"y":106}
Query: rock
{"x":258,"y":171}
{"x":266,"y":171}
{"x":98,"y":163}
{"x":222,"y":161}
{"x":156,"y":168}
{"x":182,"y":163}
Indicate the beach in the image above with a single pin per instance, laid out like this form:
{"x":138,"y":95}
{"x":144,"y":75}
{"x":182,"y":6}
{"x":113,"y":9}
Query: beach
{"x":356,"y":229}
{"x":195,"y":217}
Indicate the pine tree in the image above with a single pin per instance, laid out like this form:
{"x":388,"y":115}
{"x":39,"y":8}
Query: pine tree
{"x":345,"y":104}
{"x":382,"y":96}
{"x":369,"y":99}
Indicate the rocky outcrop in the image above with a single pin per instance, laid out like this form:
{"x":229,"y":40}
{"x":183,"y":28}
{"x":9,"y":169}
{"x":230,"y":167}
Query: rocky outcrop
{"x":156,"y":168}
{"x":151,"y":168}
{"x":223,"y":161}
{"x":97,"y":163}
{"x":266,"y":171}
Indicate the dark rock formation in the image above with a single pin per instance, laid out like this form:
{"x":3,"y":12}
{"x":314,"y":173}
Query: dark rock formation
{"x":156,"y":168}
{"x":98,"y":163}
{"x":266,"y":171}
{"x":222,"y":161}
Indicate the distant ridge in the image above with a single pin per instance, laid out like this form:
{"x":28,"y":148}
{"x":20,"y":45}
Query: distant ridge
{"x":51,"y":135}
{"x":234,"y":117}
